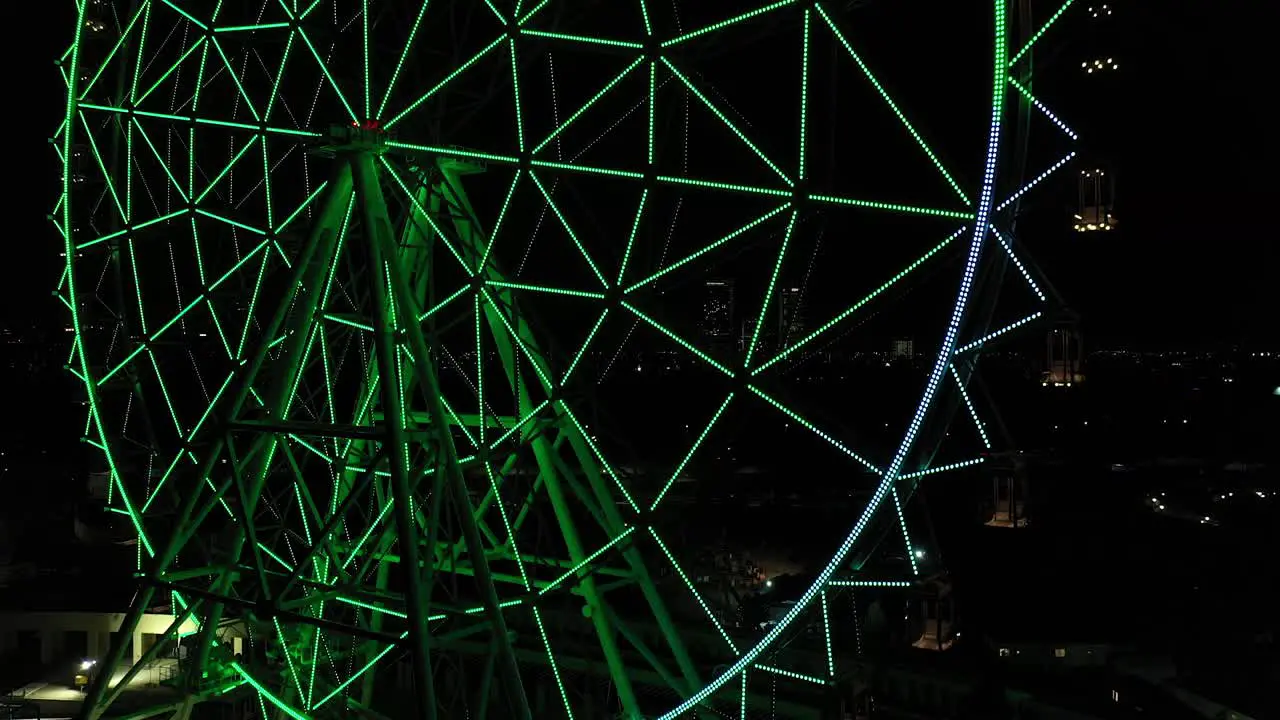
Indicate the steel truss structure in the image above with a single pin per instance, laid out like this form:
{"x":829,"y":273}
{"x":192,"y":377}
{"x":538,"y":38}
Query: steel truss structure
{"x":348,"y":417}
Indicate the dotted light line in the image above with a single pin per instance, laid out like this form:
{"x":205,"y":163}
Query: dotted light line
{"x":723,"y":23}
{"x":906,"y":536}
{"x":584,"y":39}
{"x":973,"y":412}
{"x":447,"y":79}
{"x":745,"y":189}
{"x":1043,"y":29}
{"x":133,"y":228}
{"x":884,"y":95}
{"x":186,"y":15}
{"x":1022,"y":191}
{"x":696,"y":595}
{"x":783,"y":672}
{"x":727,"y":122}
{"x":997,"y":333}
{"x":78,"y":351}
{"x":814,"y":429}
{"x":943,"y":468}
{"x":588,"y":560}
{"x":1041,"y":107}
{"x":786,"y":352}
{"x":826,"y":627}
{"x":804,"y":91}
{"x":675,"y":475}
{"x":871,"y":583}
{"x":200,"y":121}
{"x":587,"y":105}
{"x":404,"y":53}
{"x":124,"y":36}
{"x":542,"y":289}
{"x":945,"y":354}
{"x":1004,"y":243}
{"x":790,"y":674}
{"x":678,"y":340}
{"x":555,"y":668}
{"x":895,"y":207}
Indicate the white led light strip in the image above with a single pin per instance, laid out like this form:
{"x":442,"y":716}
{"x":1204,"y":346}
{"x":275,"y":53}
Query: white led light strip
{"x":1026,"y":274}
{"x":946,"y":352}
{"x":1023,"y":190}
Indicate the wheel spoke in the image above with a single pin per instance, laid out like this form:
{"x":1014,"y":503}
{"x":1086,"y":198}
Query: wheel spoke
{"x":444,"y":360}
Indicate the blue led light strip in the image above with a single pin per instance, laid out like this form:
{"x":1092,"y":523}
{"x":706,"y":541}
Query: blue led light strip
{"x":945,"y":353}
{"x":1036,"y":181}
{"x":997,"y":333}
{"x":1041,"y":107}
{"x":1026,"y":274}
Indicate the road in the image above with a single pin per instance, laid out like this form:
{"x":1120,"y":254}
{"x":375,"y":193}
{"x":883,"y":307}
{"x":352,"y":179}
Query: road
{"x":56,"y":696}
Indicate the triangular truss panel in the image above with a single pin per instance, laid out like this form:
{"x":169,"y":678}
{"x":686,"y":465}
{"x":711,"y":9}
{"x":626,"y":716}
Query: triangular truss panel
{"x":471,"y":358}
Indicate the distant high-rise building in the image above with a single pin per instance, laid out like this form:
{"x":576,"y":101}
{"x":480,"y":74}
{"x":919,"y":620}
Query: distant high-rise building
{"x":902,"y":349}
{"x":747,"y":329}
{"x":717,"y":310}
{"x":790,"y":316}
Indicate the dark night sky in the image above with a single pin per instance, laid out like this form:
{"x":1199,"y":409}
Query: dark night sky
{"x":1196,"y":262}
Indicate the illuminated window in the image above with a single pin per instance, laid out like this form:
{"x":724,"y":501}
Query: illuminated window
{"x":1060,"y":652}
{"x":1004,"y":652}
{"x":1115,"y":696}
{"x":717,"y":310}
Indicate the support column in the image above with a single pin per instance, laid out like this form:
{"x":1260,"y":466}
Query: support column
{"x":472,"y":241}
{"x":302,"y":280}
{"x":137,"y":646}
{"x":449,"y":461}
{"x":376,"y":224}
{"x":311,"y":270}
{"x":48,"y":645}
{"x":90,"y":644}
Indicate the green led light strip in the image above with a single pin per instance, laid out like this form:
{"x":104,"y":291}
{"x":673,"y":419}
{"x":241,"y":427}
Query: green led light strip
{"x":884,"y":95}
{"x":482,"y":424}
{"x":268,"y":130}
{"x":1040,"y":33}
{"x":985,"y":204}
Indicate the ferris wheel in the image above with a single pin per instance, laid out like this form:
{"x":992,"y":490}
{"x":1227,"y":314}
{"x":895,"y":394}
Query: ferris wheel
{"x":351,"y":279}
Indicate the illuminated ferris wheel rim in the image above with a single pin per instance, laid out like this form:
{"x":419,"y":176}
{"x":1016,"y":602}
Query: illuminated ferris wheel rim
{"x":979,"y":220}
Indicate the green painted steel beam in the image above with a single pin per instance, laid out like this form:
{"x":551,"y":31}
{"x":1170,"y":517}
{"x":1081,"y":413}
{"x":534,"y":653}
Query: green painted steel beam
{"x":377,"y":231}
{"x":423,"y":368}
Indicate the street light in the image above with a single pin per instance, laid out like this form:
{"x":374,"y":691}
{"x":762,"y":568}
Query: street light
{"x":82,"y":677}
